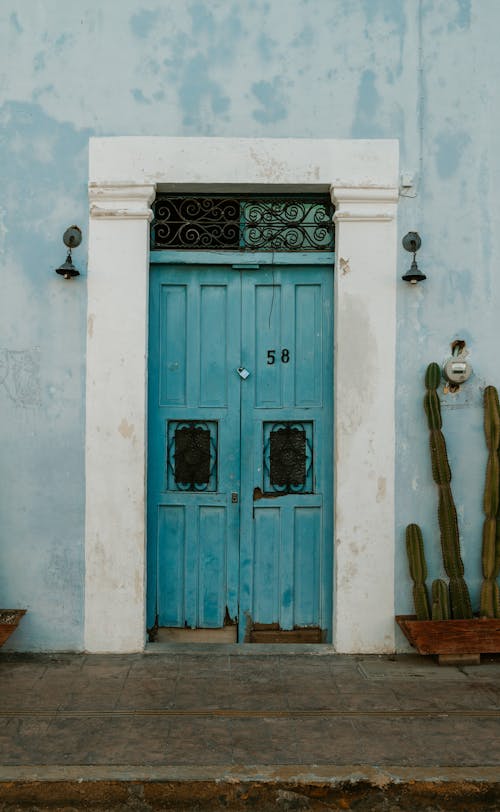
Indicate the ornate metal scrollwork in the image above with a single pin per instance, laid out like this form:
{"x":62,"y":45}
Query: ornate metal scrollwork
{"x":287,"y":225}
{"x":288,"y":457}
{"x":284,"y":223}
{"x":196,"y":222}
{"x":192,"y":456}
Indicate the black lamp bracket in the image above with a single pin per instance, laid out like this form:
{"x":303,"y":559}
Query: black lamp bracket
{"x":72,"y":237}
{"x":412,"y":242}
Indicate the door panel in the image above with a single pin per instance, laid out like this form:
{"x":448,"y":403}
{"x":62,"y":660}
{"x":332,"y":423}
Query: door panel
{"x":194,"y":456}
{"x":267,"y":558}
{"x":286,"y":441}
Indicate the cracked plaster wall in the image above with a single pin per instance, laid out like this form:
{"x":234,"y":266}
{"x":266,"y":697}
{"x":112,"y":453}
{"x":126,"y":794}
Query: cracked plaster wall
{"x":422,"y":71}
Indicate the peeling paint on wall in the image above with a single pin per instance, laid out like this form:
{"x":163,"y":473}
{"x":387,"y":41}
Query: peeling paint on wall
{"x":271,"y":96}
{"x":20,"y":376}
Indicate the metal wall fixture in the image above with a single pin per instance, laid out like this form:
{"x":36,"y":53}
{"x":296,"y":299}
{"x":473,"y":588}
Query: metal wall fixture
{"x":412,"y":242}
{"x":72,"y":238}
{"x":457,"y":369}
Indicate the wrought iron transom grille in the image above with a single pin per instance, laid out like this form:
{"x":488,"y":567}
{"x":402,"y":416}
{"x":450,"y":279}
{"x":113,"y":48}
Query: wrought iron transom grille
{"x":243,"y":223}
{"x":288,"y":457}
{"x":192,"y":455}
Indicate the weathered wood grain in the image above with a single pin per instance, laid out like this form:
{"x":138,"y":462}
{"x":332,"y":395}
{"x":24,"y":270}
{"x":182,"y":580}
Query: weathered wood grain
{"x":476,"y":636}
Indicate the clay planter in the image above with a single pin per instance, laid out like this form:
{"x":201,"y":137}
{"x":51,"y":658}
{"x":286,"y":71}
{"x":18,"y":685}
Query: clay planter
{"x":9,"y":621}
{"x":453,"y":641}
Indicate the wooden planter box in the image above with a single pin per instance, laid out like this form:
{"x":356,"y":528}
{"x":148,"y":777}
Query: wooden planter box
{"x":452,"y":640}
{"x":9,"y":621}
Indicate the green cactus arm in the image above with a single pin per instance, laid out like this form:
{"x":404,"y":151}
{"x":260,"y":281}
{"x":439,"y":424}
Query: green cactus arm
{"x":418,"y":570}
{"x":496,"y":600}
{"x":432,"y":409}
{"x":490,"y":599}
{"x":490,"y":554}
{"x":450,"y":541}
{"x":440,"y":600}
{"x":491,"y":495}
{"x":433,"y":376}
{"x":491,"y":418}
{"x":497,"y":548}
{"x":441,"y":471}
{"x":421,"y":602}
{"x":460,"y":599}
{"x":415,"y":551}
{"x":437,"y":613}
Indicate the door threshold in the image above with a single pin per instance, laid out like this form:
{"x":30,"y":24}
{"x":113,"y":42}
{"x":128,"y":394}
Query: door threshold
{"x":272,"y":633}
{"x":226,"y":634}
{"x":241,"y":649}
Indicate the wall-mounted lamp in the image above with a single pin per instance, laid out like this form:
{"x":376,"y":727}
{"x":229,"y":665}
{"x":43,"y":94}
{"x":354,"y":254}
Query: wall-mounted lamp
{"x":72,"y":238}
{"x":412,"y":242}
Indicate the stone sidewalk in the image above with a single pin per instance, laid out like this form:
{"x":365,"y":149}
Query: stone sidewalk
{"x":295,"y":716}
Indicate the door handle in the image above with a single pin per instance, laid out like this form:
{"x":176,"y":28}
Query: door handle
{"x":234,"y":498}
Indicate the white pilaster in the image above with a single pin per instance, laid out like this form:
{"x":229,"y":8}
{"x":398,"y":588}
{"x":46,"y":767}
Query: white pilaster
{"x":365,"y":341}
{"x":116,"y":416}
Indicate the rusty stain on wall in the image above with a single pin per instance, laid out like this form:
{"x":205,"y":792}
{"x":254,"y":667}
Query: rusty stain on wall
{"x":126,"y":429}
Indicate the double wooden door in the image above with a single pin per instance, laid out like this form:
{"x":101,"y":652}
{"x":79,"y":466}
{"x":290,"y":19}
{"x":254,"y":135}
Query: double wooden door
{"x":240,"y":488}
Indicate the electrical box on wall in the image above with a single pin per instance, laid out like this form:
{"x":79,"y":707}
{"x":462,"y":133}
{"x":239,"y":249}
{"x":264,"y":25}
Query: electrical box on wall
{"x":457,"y":370}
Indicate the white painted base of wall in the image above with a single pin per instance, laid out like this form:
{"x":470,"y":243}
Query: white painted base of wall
{"x":363,"y":179}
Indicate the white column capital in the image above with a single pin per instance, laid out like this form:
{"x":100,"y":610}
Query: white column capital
{"x":123,"y":201}
{"x":364,"y":203}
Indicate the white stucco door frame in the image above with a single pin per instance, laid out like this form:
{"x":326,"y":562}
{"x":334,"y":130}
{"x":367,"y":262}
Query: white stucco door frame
{"x":363,"y":179}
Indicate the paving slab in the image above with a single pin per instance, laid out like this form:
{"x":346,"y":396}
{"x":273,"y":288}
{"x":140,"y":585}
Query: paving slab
{"x":264,"y":716}
{"x":414,"y":667}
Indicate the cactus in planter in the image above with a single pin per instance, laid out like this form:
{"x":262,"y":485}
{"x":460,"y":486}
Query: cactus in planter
{"x":447,"y":514}
{"x":418,"y":570}
{"x":490,"y":598}
{"x":440,"y":600}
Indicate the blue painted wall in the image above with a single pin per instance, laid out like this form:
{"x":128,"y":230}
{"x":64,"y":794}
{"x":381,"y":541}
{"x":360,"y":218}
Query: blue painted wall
{"x":422,"y":71}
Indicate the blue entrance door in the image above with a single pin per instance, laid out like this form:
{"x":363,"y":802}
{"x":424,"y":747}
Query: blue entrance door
{"x":240,"y":448}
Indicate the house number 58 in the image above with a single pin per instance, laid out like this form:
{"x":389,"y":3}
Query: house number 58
{"x":271,"y":356}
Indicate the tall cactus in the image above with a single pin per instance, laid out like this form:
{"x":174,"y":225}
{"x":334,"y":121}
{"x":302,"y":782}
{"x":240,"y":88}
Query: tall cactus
{"x":418,"y":570}
{"x":490,"y":598}
{"x":440,"y":600}
{"x":447,"y":514}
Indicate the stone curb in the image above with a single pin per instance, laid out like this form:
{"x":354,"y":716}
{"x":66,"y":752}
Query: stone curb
{"x":330,"y":774}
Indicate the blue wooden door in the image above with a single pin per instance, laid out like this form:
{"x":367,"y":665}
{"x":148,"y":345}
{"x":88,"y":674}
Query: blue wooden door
{"x":194,"y":446}
{"x":240,"y":488}
{"x":286,"y":446}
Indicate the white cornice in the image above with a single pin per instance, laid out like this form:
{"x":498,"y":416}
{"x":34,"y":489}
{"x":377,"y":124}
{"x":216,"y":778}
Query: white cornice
{"x":363,"y":203}
{"x":128,"y":201}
